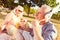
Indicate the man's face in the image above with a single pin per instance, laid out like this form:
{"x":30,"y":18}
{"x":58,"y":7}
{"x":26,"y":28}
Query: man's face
{"x":40,"y":15}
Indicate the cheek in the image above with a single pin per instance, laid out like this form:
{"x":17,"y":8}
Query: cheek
{"x":18,"y":12}
{"x":42,"y":16}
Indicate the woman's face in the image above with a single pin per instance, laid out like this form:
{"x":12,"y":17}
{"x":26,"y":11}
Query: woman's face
{"x":23,"y":23}
{"x":18,"y":12}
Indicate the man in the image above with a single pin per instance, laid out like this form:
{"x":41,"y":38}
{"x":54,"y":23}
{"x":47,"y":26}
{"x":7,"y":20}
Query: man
{"x":11,"y":23}
{"x":42,"y":27}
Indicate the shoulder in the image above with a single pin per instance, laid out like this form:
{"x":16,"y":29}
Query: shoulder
{"x":50,"y":30}
{"x":49,"y":25}
{"x":9,"y":15}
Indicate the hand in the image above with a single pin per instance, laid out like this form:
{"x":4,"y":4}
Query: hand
{"x":36,"y":26}
{"x":35,"y":23}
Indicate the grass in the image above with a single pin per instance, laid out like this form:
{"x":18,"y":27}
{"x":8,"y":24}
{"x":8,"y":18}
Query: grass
{"x":58,"y":30}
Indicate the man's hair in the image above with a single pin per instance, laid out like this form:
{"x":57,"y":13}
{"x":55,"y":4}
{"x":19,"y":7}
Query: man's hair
{"x":47,"y":10}
{"x":48,"y":13}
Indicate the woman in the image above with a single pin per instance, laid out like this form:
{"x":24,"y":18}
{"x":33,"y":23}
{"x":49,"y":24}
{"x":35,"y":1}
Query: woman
{"x":11,"y":23}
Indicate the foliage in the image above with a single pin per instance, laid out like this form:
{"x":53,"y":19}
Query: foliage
{"x":56,"y":16}
{"x":32,"y":11}
{"x":27,"y":4}
{"x":9,"y":3}
{"x":51,"y":3}
{"x":25,"y":8}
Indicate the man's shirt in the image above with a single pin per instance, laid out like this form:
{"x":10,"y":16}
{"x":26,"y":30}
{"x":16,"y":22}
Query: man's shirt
{"x":49,"y":31}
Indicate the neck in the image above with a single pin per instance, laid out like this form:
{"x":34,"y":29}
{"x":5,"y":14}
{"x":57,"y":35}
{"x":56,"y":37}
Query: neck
{"x":42,"y":22}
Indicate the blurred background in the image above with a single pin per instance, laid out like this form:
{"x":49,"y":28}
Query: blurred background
{"x":30,"y":8}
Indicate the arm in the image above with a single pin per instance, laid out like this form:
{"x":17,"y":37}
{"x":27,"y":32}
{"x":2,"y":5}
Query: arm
{"x":37,"y":34}
{"x":5,"y":22}
{"x":37,"y":31}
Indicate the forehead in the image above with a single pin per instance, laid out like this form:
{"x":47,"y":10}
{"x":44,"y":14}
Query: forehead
{"x":19,"y":8}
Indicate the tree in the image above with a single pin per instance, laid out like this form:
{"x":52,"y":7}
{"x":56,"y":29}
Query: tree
{"x":10,"y":3}
{"x":51,"y":3}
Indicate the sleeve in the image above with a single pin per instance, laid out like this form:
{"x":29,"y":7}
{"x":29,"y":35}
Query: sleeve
{"x":7,"y":18}
{"x":5,"y":22}
{"x":50,"y":33}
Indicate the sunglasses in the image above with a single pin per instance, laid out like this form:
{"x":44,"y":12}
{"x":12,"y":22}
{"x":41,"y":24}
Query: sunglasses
{"x":19,"y":10}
